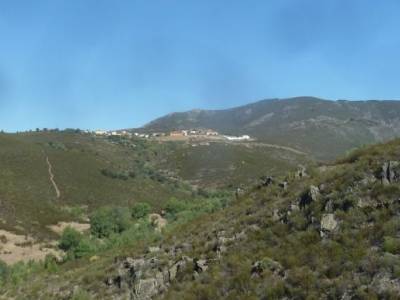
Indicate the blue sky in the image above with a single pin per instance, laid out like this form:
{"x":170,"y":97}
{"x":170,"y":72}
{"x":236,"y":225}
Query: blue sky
{"x":118,"y":64}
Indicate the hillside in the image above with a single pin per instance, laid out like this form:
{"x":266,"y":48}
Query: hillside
{"x":330,"y":232}
{"x":222,"y":165}
{"x":92,"y":171}
{"x":322,"y":128}
{"x":89,"y":172}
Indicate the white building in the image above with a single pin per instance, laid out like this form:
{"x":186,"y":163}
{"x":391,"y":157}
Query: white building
{"x":237,"y":138}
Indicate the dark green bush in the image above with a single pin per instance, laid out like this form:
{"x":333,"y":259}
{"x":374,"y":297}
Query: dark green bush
{"x":70,"y":239}
{"x":4,"y":272}
{"x":108,"y":220}
{"x":115,"y":174}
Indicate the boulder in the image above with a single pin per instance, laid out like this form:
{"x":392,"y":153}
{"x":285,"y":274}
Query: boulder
{"x":200,"y":265}
{"x":314,"y":192}
{"x":328,"y":223}
{"x":157,"y":221}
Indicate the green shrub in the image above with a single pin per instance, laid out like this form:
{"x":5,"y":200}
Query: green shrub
{"x":80,"y":294}
{"x":140,"y":210}
{"x":70,"y":239}
{"x":115,"y":174}
{"x":391,"y":245}
{"x":108,"y":220}
{"x":85,"y":248}
{"x":50,"y":263}
{"x":4,"y":272}
{"x":175,"y":206}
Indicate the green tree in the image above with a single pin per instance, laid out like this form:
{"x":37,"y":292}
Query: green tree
{"x":70,"y":239}
{"x":108,"y":220}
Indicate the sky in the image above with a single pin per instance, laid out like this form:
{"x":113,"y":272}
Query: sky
{"x":96,"y":64}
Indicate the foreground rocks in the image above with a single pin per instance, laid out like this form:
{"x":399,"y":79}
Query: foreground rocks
{"x":145,"y":277}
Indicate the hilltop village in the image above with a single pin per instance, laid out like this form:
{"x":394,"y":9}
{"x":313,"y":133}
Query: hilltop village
{"x":175,"y":135}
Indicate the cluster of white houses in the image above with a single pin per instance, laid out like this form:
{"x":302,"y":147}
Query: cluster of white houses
{"x":174,"y":133}
{"x":112,"y":133}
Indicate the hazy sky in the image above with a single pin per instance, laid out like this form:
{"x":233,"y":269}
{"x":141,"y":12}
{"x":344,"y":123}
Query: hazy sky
{"x":118,"y":64}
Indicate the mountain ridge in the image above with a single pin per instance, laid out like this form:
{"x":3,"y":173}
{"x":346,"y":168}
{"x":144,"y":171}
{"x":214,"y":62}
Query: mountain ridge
{"x":304,"y":123}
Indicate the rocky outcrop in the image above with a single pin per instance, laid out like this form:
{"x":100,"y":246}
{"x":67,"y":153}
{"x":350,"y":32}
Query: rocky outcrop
{"x":265,"y":181}
{"x":390,"y":172}
{"x":143,"y":278}
{"x":301,"y":172}
{"x":383,"y":283}
{"x":266,"y":264}
{"x":146,"y":277}
{"x":309,"y":196}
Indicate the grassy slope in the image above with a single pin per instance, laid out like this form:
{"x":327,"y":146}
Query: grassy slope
{"x":349,"y":261}
{"x":229,"y":164}
{"x":28,"y":198}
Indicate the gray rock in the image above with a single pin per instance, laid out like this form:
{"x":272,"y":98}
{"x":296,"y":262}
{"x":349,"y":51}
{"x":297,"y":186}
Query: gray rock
{"x":329,"y":206}
{"x":314,"y":193}
{"x":311,"y":195}
{"x":382,"y":283}
{"x":145,"y":289}
{"x":275,"y":215}
{"x":283,"y":185}
{"x":390,"y":172}
{"x":328,"y":223}
{"x":153,"y":249}
{"x":177,"y":267}
{"x":200,"y":265}
{"x":301,"y":172}
{"x":365,"y":202}
{"x":266,"y":181}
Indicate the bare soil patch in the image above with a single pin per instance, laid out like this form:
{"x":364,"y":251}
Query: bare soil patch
{"x":60,"y":226}
{"x":15,"y":248}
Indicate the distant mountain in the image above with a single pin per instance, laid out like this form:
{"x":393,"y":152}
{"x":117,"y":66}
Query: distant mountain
{"x":320,"y":127}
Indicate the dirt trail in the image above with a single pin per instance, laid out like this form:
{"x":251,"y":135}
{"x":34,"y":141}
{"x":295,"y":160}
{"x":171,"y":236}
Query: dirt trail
{"x":52,"y":178}
{"x":277,"y":147}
